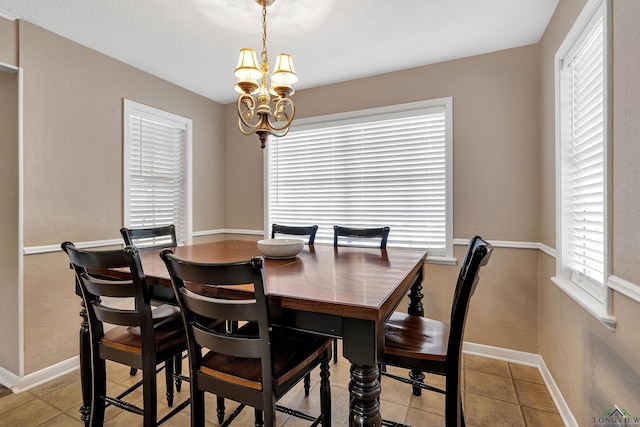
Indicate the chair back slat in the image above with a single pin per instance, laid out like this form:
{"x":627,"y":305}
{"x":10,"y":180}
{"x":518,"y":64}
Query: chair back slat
{"x":146,"y":239}
{"x":216,"y":308}
{"x":226,"y":274}
{"x":367,"y":233}
{"x":295,"y":231}
{"x":94,"y":260}
{"x":115,"y":316}
{"x":230,"y":345}
{"x":107,"y":288}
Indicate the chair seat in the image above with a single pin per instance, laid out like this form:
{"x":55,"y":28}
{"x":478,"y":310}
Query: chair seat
{"x":167,"y":325}
{"x":416,"y":337}
{"x":292,"y":351}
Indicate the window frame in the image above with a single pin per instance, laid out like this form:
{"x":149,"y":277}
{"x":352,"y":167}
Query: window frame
{"x":132,"y":108}
{"x":359,"y":115}
{"x":601,"y":310}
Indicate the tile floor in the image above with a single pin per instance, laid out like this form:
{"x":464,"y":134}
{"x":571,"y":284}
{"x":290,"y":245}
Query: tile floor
{"x":496,"y":394}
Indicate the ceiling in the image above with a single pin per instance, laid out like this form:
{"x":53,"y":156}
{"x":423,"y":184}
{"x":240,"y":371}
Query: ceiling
{"x":195,"y":43}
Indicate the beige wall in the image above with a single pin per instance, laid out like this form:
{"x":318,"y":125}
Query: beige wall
{"x":594,"y":367}
{"x":8,"y":41}
{"x":9,"y":249}
{"x":495,"y":179}
{"x":73,"y":171}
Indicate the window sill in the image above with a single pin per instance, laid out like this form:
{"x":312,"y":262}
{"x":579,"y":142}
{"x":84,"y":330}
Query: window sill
{"x":586,"y":301}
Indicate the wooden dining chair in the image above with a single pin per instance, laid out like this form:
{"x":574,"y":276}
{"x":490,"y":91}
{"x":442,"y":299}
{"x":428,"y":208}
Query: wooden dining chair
{"x":381,"y":233}
{"x":295,"y":231}
{"x":148,"y":239}
{"x":257,"y":363}
{"x":427,"y":345}
{"x":139,"y":337}
{"x":310,"y":231}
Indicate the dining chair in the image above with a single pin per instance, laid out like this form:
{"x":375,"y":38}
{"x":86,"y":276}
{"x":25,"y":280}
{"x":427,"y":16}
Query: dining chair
{"x":295,"y":231}
{"x":138,"y":337}
{"x":428,"y":345}
{"x":148,"y":239}
{"x":257,"y":363}
{"x":368,"y":233}
{"x":381,"y":233}
{"x":310,"y":231}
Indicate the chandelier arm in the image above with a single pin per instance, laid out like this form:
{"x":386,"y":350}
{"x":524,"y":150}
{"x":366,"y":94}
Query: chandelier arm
{"x":277,"y":134}
{"x":251,"y":130}
{"x":246,"y":110}
{"x":289,"y":118}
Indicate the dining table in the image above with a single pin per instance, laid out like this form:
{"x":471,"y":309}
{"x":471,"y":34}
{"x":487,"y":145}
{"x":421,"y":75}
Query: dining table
{"x":344,"y":292}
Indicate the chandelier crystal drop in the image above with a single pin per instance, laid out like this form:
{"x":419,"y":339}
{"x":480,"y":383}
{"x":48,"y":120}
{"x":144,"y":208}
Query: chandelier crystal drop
{"x":265,"y":110}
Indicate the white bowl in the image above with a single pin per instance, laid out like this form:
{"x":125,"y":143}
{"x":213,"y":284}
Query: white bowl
{"x":280,"y":248}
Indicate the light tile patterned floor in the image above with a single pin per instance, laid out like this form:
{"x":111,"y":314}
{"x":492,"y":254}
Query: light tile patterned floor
{"x":496,"y":394}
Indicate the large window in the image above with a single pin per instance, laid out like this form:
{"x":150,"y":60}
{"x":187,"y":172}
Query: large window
{"x":582,"y":158}
{"x":381,"y":167}
{"x":157,"y":169}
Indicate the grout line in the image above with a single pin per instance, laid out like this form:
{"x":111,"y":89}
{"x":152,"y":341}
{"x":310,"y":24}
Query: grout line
{"x":515,"y":389}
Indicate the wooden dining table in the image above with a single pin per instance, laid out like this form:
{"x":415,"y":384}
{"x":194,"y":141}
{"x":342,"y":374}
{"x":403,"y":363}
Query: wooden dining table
{"x":342,"y":292}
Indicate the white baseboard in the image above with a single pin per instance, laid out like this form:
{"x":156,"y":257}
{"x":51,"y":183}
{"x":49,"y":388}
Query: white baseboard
{"x":528,"y":359}
{"x":7,"y":378}
{"x":20,"y":385}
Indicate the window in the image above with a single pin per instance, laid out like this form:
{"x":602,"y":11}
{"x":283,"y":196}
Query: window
{"x":582,"y":74}
{"x":157,"y":169}
{"x":380,"y":167}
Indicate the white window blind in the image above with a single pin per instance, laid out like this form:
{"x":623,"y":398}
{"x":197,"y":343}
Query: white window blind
{"x":374,"y":170}
{"x":156,"y":170}
{"x":583,"y":146}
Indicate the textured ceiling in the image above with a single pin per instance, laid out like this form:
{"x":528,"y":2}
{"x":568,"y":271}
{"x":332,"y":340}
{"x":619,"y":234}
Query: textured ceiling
{"x":195,"y":43}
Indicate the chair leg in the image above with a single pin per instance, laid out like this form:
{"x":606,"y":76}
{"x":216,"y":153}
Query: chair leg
{"x":168,"y":373}
{"x":197,"y":407}
{"x":99,"y":383}
{"x":417,"y":376}
{"x":307,"y":384}
{"x":335,"y":351}
{"x":220,"y":409}
{"x":260,"y":419}
{"x":133,"y":371}
{"x":177,"y":360}
{"x":325,"y":392}
{"x":149,"y":393}
{"x":453,"y":401}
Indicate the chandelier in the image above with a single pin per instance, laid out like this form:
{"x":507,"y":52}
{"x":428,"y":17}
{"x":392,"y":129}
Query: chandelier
{"x":257,"y":111}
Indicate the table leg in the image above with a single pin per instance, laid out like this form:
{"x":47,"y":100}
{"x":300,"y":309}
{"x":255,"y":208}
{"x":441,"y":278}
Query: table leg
{"x":364,"y":407}
{"x":415,"y":295}
{"x":85,"y":367}
{"x":416,"y":309}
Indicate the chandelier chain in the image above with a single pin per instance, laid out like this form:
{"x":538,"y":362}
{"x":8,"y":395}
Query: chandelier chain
{"x":265,"y":59}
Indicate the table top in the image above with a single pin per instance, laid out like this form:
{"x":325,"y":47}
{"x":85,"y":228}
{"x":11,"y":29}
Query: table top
{"x":362,"y":283}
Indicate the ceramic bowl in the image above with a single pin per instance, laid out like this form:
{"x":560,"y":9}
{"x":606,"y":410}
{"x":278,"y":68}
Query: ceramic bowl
{"x":280,"y":248}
